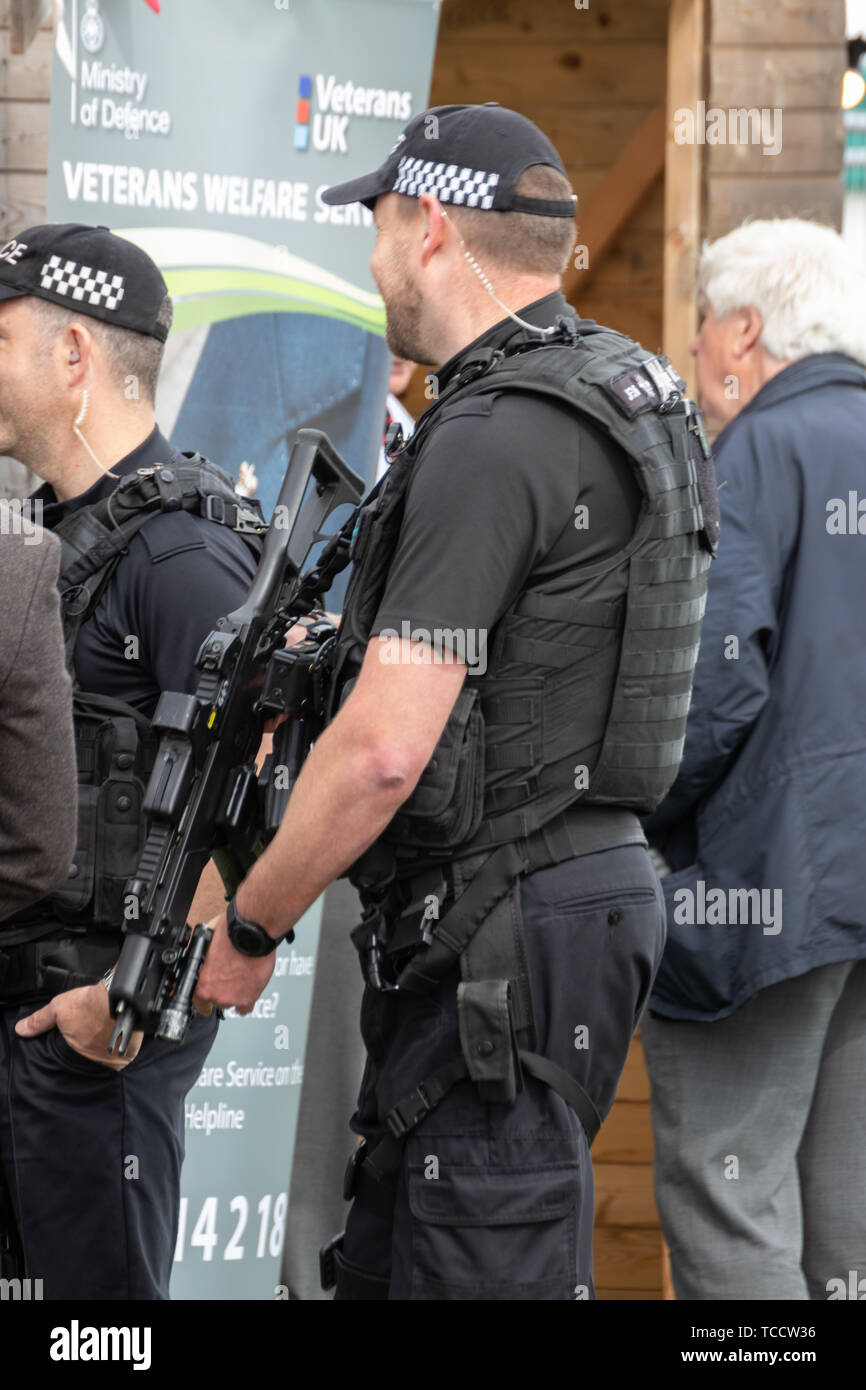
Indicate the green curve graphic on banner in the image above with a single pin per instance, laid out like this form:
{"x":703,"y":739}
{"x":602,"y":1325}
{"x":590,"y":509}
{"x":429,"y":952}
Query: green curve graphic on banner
{"x":213,"y":294}
{"x":214,"y":275}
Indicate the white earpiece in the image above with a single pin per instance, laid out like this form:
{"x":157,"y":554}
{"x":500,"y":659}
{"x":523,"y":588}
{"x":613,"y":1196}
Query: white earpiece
{"x":543,"y":332}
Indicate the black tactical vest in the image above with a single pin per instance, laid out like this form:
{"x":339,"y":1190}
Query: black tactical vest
{"x":114,"y":743}
{"x":588,"y":681}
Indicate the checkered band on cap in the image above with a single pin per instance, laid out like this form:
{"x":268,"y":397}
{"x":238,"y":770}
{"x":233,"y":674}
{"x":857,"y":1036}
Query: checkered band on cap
{"x":82,"y":281}
{"x":448,"y":182}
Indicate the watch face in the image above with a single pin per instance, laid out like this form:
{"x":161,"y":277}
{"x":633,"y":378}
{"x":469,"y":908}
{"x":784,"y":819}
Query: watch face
{"x":248,"y":939}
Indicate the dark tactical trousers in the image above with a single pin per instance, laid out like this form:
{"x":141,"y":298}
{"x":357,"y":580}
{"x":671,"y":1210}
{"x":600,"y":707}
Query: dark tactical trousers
{"x":91,"y":1159}
{"x":496,"y":1201}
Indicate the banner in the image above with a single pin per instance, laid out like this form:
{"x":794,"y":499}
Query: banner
{"x":206,"y":131}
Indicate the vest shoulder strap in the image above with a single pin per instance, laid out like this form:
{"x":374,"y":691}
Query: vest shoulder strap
{"x":94,"y":538}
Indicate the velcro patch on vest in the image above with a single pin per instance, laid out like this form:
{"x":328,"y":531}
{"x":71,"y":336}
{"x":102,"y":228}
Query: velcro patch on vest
{"x":633,"y":391}
{"x":646,"y":387}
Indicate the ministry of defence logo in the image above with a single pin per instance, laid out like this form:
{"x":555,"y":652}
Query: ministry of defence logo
{"x":92,"y":28}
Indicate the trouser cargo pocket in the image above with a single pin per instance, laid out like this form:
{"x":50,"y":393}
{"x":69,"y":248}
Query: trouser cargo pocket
{"x":494,"y":1233}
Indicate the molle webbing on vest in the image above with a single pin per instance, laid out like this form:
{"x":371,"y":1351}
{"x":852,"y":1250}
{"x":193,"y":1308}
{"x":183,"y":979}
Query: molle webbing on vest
{"x":588,"y":679}
{"x":94,"y":538}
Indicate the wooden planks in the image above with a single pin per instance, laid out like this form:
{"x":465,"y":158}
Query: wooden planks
{"x":590,"y":139}
{"x":778,"y":23}
{"x":24,"y":136}
{"x":634,"y":1082}
{"x":627,"y":1244}
{"x":786,"y":77}
{"x":6,"y":7}
{"x":788,"y":58}
{"x":731,"y":200}
{"x":628,"y":1259}
{"x":576,"y":74}
{"x":26,"y":76}
{"x":22,"y":202}
{"x":624,"y":1195}
{"x":26,"y":17}
{"x":24,"y":118}
{"x":811,"y":143}
{"x":607,"y":21}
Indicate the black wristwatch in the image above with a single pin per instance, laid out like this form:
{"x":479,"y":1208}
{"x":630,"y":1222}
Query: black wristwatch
{"x":248,"y":937}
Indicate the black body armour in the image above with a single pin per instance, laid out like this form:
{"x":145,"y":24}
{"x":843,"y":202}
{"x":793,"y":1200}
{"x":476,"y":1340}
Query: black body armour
{"x":115,"y":744}
{"x":576,"y":725}
{"x":588,"y":679}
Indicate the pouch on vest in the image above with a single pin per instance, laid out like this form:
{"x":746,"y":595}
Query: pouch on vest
{"x":447,"y":804}
{"x":114,"y":751}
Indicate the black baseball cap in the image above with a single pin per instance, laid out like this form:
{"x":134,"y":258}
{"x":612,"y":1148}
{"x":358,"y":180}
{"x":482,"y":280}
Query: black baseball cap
{"x":471,"y":156}
{"x":89,"y":270}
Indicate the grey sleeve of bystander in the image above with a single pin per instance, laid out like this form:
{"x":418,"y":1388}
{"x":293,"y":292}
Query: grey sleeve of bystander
{"x":37,"y":753}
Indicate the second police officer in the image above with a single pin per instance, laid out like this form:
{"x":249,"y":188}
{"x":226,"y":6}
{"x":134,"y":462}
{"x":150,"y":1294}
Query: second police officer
{"x":510,"y":685}
{"x":91,"y":1145}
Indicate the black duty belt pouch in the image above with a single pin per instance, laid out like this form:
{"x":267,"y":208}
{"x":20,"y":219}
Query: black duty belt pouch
{"x":113,"y":752}
{"x":447,"y":805}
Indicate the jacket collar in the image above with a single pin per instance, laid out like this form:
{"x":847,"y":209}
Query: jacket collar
{"x":541,"y":313}
{"x":807,"y":373}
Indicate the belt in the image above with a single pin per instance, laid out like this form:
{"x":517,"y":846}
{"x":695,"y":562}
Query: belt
{"x":53,"y":967}
{"x":425,"y":894}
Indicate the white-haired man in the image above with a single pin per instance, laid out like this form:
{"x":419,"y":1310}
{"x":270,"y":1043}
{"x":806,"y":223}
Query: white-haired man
{"x":755,"y":1039}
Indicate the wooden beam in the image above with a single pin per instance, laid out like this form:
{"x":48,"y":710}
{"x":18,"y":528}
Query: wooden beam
{"x":26,"y":18}
{"x":683,"y":179}
{"x":624,"y":185}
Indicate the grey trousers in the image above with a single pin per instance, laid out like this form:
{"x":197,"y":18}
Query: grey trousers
{"x":760,"y":1141}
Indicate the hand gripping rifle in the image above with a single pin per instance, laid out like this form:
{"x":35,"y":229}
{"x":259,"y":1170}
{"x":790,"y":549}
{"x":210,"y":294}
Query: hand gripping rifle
{"x":204,"y":798}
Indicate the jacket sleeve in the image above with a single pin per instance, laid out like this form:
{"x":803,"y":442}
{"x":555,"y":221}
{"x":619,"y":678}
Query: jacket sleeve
{"x":760,"y":497}
{"x":38,"y":805}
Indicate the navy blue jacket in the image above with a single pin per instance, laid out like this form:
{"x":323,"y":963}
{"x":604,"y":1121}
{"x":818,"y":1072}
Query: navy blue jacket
{"x":772,"y":788}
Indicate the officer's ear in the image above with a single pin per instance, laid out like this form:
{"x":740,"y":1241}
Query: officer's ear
{"x":434,"y":227}
{"x":77,"y":353}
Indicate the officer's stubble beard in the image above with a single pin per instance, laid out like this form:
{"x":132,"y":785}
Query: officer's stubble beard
{"x":31,"y":429}
{"x":404,"y":307}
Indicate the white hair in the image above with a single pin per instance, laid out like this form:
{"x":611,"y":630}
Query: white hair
{"x":801,"y":277}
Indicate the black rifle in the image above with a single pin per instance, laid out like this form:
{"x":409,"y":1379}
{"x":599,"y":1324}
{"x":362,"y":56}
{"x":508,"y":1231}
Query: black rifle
{"x":204,"y":798}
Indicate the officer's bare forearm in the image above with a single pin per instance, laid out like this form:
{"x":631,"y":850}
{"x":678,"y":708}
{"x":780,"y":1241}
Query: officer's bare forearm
{"x":348,"y":790}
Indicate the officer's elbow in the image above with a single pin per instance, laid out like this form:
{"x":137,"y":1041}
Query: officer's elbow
{"x":390,"y":768}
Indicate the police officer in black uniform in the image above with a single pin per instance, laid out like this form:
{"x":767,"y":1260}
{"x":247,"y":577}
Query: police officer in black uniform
{"x":91,"y":1145}
{"x":509,"y":690}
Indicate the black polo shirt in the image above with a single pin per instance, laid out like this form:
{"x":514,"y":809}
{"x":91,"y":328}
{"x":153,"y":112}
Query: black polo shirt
{"x":182,"y":572}
{"x":492,"y":498}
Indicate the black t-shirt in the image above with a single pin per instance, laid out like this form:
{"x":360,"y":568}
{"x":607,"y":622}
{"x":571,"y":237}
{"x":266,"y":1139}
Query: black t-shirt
{"x":492,"y":502}
{"x":181,"y":573}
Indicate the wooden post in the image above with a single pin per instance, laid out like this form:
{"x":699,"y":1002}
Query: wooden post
{"x":683,"y":183}
{"x":26,"y":18}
